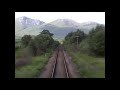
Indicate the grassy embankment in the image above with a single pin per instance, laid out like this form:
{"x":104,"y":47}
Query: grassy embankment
{"x":32,"y":69}
{"x":88,"y":66}
{"x":34,"y":66}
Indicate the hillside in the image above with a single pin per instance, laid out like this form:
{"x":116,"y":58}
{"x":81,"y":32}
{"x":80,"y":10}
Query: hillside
{"x":60,"y":27}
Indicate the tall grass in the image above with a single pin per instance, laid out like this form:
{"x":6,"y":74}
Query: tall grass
{"x":89,"y":66}
{"x":19,"y":53}
{"x":33,"y":69}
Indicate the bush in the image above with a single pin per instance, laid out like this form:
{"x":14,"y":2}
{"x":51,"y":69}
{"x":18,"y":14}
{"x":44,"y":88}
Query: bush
{"x":97,"y":41}
{"x":26,"y":39}
{"x":84,"y":46}
{"x":32,"y":48}
{"x":17,"y":47}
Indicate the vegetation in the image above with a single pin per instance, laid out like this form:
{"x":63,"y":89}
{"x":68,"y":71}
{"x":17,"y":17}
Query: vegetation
{"x":17,"y":44}
{"x":71,"y":37}
{"x":91,"y":44}
{"x":26,"y":39}
{"x":89,"y":56}
{"x":33,"y":69}
{"x":42,"y":43}
{"x":32,"y":53}
{"x":89,"y":66}
{"x":19,"y":52}
{"x":97,"y":40}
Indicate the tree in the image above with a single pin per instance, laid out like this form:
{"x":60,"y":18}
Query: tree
{"x":71,"y":37}
{"x":47,"y":32}
{"x":32,"y":47}
{"x":93,"y":43}
{"x":97,"y":40}
{"x":74,"y":38}
{"x":42,"y":43}
{"x":55,"y":44}
{"x":26,"y":39}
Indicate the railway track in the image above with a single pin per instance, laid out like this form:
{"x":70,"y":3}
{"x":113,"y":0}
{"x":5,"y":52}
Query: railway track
{"x":60,"y":69}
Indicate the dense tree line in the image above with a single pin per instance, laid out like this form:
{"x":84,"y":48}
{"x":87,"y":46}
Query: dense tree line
{"x":26,"y":39}
{"x":71,"y":37}
{"x":93,"y":43}
{"x":97,"y":40}
{"x":41,"y":43}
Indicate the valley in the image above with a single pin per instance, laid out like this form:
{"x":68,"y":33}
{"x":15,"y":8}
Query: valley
{"x":59,"y":45}
{"x":60,"y":27}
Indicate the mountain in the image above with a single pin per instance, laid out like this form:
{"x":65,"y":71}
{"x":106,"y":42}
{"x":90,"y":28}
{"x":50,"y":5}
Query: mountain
{"x":87,"y":26}
{"x":28,"y":21}
{"x":71,"y":25}
{"x":65,"y":23}
{"x":60,"y":27}
{"x":25,"y":22}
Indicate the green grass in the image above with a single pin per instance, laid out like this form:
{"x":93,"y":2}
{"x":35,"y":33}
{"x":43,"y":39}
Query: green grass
{"x":33,"y":69}
{"x":89,"y":66}
{"x":19,"y":53}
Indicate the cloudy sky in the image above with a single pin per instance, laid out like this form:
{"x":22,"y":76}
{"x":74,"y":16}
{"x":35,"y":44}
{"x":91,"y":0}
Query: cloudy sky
{"x":77,"y":16}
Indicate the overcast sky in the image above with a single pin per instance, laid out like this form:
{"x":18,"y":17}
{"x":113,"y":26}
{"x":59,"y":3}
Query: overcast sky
{"x":77,"y":16}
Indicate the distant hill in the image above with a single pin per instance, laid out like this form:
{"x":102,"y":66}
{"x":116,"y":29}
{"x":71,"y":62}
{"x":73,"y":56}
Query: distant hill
{"x":25,"y":22}
{"x":60,"y":27}
{"x":65,"y":23}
